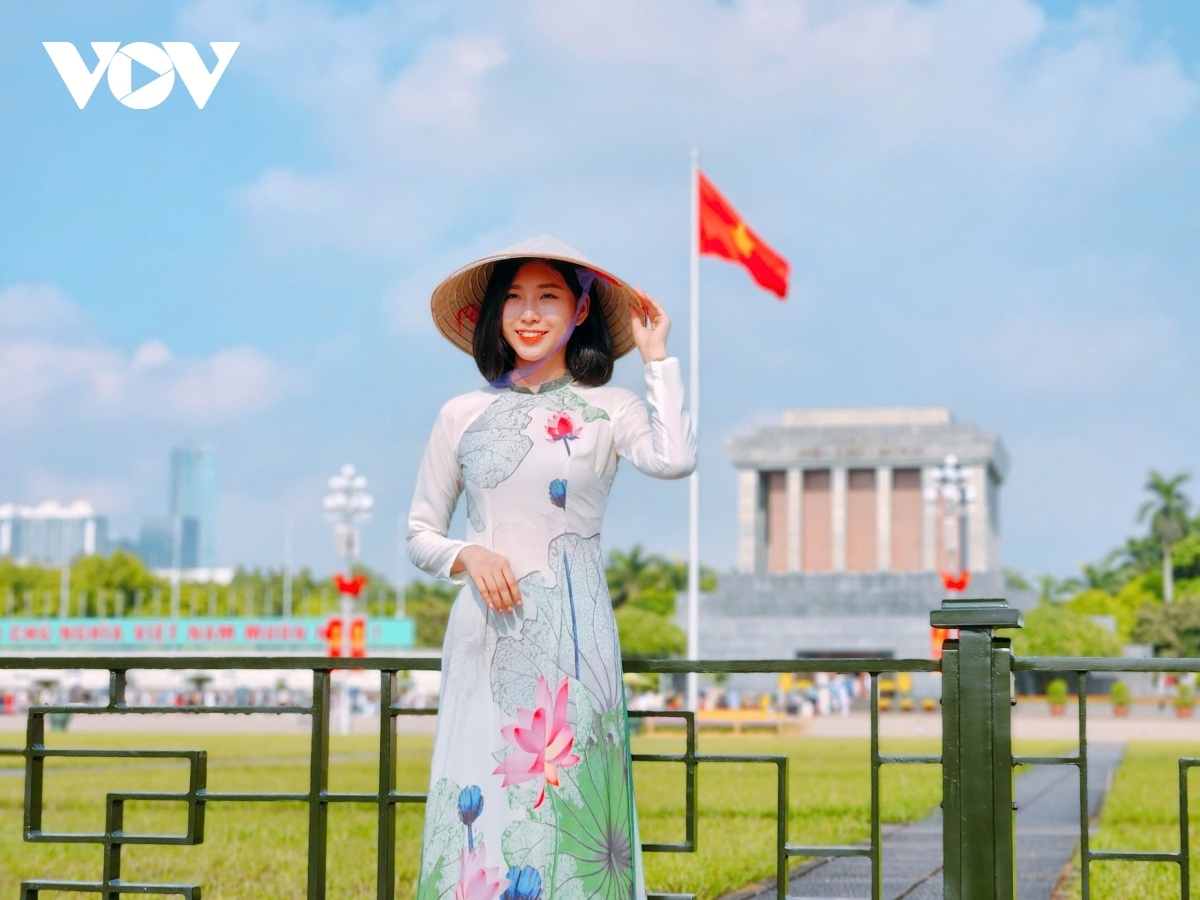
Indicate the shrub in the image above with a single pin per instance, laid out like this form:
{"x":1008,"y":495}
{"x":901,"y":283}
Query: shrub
{"x":1185,"y":697}
{"x":1056,"y":692}
{"x":1119,"y":695}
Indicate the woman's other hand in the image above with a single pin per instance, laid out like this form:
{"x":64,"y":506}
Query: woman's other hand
{"x":651,"y":339}
{"x":493,"y":577}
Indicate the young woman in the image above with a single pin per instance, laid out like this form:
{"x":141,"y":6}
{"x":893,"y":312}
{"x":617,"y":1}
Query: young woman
{"x":531,"y":795}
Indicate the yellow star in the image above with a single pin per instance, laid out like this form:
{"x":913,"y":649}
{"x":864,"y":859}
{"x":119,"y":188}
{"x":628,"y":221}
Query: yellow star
{"x":742,"y":240}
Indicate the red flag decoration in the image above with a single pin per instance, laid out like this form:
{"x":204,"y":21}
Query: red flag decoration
{"x":957,"y":582}
{"x":724,"y":233}
{"x":352,"y":586}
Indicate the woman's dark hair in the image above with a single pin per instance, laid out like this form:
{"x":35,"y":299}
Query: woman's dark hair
{"x":589,"y":350}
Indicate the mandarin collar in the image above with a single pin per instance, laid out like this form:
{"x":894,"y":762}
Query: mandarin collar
{"x":545,"y":386}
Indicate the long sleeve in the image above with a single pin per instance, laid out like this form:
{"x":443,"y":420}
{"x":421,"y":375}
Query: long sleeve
{"x":656,"y":434}
{"x":439,"y":482}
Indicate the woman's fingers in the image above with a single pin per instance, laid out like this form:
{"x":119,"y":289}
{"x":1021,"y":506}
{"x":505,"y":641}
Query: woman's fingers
{"x":497,"y":584}
{"x":650,"y":310}
{"x":511,"y":579}
{"x":502,"y":591}
{"x":488,"y":590}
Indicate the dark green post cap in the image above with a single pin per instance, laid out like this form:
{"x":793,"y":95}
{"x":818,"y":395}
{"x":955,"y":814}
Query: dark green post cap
{"x":960,"y":612}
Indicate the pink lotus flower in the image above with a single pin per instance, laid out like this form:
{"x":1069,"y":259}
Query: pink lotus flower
{"x":541,"y":741}
{"x":562,"y":428}
{"x":475,"y":880}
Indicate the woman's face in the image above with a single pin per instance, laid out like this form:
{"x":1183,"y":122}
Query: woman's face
{"x":538,"y":309}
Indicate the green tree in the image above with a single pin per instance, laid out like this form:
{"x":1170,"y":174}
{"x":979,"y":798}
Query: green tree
{"x":650,"y":580}
{"x":630,"y":573}
{"x":1173,"y":630}
{"x":1015,"y":580}
{"x":1051,"y":589}
{"x":428,"y":605}
{"x":1139,"y":556}
{"x":648,"y":635}
{"x":1185,"y":555}
{"x":1123,"y":607}
{"x":1103,"y":576}
{"x":1167,"y":511}
{"x":1052,"y":629}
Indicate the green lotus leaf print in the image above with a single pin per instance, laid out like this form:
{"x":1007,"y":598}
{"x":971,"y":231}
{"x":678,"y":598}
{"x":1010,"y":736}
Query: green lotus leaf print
{"x":442,"y":843}
{"x":573,"y":633}
{"x":529,"y":842}
{"x":473,"y":514}
{"x":493,"y":446}
{"x":594,"y":832}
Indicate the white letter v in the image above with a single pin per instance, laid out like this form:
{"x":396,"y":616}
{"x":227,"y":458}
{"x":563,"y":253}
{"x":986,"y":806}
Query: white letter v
{"x":75,"y":75}
{"x":196,"y":78}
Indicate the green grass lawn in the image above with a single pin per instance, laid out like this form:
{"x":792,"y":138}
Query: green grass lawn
{"x":259,"y":850}
{"x":1142,"y":813}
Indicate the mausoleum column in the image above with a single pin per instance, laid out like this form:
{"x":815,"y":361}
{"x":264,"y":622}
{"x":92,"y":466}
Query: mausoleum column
{"x":837,"y":531}
{"x":930,"y":523}
{"x":749,"y":499}
{"x":795,"y":494}
{"x":883,"y":518}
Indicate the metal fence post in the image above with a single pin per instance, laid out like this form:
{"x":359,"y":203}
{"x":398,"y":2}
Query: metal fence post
{"x":977,"y":774}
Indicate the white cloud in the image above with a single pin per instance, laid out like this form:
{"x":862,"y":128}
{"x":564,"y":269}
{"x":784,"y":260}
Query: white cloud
{"x":54,"y":370}
{"x":229,"y":383}
{"x":112,"y":496}
{"x":150,"y":355}
{"x":39,"y":310}
{"x":559,"y":96}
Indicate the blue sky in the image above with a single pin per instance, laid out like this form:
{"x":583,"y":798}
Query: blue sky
{"x":987,"y":205}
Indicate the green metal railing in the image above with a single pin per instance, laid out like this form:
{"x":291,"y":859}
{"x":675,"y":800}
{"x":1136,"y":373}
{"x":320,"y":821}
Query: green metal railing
{"x":977,"y":760}
{"x":1082,"y":667}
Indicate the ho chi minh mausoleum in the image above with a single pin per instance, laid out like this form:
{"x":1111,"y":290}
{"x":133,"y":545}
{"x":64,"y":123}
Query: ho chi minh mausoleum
{"x":841,"y":534}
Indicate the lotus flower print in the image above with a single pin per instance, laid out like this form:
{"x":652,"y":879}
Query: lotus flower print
{"x":562,"y":427}
{"x":541,"y":741}
{"x":558,"y":492}
{"x":525,"y":883}
{"x":470,"y":805}
{"x":475,"y":880}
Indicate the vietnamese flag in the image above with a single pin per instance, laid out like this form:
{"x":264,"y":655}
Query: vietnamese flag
{"x":724,"y":233}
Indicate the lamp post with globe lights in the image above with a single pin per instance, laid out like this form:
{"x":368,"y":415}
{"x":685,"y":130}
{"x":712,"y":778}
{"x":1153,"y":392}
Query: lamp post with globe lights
{"x":950,"y":485}
{"x":347,"y":506}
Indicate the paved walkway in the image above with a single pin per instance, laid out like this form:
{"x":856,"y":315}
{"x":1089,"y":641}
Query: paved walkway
{"x":1047,"y":835}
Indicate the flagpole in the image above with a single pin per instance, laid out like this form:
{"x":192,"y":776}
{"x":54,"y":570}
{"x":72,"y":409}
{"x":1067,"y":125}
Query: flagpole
{"x":693,"y":592}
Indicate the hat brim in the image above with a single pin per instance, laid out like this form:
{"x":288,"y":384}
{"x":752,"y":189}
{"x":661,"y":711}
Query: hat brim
{"x":456,"y":302}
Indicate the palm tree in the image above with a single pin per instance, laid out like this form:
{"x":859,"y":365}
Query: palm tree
{"x":1139,"y":556}
{"x":1167,"y":510}
{"x":630,"y":573}
{"x":1050,"y":589}
{"x":1103,"y":576}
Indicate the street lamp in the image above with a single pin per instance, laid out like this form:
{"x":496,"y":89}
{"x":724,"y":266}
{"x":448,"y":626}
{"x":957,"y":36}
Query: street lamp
{"x":950,"y":485}
{"x":347,"y":506}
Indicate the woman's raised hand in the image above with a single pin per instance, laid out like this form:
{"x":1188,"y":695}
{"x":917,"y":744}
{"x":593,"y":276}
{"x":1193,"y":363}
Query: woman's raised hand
{"x":493,"y":577}
{"x":651,"y":339}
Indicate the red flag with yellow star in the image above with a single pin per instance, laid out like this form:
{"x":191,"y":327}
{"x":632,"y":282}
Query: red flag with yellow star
{"x":724,"y":233}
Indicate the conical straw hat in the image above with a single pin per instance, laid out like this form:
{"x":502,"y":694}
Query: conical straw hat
{"x":456,"y":301}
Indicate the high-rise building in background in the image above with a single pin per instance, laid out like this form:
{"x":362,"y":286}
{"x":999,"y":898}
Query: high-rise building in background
{"x":51,"y":533}
{"x":156,"y":542}
{"x":193,"y":507}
